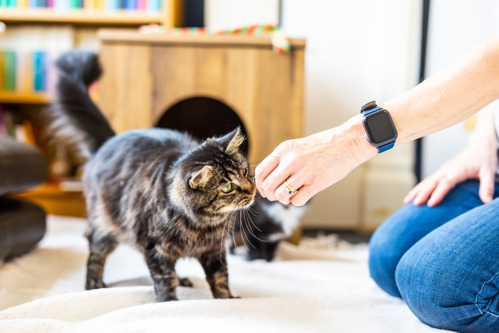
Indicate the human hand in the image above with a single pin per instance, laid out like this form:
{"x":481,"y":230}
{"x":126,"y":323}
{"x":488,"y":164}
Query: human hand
{"x":472,"y":163}
{"x":313,"y":163}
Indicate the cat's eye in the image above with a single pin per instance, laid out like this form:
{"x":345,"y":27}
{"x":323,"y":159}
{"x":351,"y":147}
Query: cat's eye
{"x":246,"y":172}
{"x":227,"y":188}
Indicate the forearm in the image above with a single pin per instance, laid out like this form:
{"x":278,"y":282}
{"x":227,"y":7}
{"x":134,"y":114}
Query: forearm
{"x":315,"y":162}
{"x":445,"y":99}
{"x":448,"y":97}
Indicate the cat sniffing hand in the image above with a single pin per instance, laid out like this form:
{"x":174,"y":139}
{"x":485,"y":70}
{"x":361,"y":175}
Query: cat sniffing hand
{"x":160,"y":190}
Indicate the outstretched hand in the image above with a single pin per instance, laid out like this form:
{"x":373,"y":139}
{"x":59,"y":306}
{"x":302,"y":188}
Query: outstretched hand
{"x":472,"y":163}
{"x":313,"y":163}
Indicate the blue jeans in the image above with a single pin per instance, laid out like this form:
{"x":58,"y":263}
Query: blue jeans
{"x":443,"y":261}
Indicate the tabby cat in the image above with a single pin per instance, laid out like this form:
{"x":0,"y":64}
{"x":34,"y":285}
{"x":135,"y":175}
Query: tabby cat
{"x":160,"y":190}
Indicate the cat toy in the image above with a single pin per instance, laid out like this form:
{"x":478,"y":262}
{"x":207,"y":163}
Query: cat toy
{"x":280,"y":43}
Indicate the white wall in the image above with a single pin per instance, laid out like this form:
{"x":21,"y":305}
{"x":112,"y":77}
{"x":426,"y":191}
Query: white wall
{"x":357,"y":50}
{"x":229,"y":14}
{"x":455,"y":26}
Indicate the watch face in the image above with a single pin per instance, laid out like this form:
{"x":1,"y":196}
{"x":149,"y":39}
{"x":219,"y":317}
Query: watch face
{"x":380,"y":127}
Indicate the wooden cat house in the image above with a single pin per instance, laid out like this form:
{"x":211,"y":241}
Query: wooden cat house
{"x":203,"y":84}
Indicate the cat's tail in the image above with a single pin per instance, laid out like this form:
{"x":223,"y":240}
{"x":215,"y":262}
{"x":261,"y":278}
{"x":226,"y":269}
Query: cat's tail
{"x":74,"y":117}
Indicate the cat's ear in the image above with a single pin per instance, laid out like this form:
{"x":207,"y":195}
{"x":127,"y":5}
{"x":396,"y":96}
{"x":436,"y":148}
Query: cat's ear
{"x":201,"y":178}
{"x":233,"y":141}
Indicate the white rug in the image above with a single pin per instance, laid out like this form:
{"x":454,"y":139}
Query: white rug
{"x":321,"y":286}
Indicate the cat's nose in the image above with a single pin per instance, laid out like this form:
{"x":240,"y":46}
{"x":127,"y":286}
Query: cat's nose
{"x":249,"y":187}
{"x":250,"y":190}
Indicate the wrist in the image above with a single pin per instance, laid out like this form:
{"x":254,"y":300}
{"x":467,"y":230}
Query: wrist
{"x":362,"y":149}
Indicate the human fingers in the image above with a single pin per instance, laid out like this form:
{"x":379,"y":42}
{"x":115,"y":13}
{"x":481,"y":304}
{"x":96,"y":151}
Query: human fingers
{"x":303,"y":196}
{"x":425,"y":191}
{"x":274,"y":180}
{"x":263,"y":170}
{"x":486,"y":189}
{"x":285,"y":193}
{"x":443,"y":187}
{"x":412,"y":193}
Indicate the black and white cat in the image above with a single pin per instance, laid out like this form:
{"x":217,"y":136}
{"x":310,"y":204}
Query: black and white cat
{"x":263,"y":227}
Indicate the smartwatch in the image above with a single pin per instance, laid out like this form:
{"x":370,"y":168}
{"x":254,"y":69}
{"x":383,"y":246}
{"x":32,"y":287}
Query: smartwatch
{"x":379,"y":127}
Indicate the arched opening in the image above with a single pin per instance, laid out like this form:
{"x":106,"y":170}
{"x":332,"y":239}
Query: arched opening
{"x":202,"y":117}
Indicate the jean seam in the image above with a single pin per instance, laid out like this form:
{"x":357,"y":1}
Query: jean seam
{"x":481,"y":290}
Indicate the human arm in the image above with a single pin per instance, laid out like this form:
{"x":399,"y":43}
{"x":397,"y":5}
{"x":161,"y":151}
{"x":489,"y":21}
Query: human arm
{"x":477,"y":161}
{"x":315,"y":162}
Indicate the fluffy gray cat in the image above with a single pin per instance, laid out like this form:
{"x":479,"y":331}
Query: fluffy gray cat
{"x":162,"y":191}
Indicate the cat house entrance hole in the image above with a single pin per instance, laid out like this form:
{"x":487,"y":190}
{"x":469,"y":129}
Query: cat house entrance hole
{"x":202,"y":117}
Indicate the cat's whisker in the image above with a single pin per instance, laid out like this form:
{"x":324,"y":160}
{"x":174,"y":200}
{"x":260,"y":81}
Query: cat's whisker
{"x":251,"y":220}
{"x":252,"y":211}
{"x":241,"y":227}
{"x":251,"y":231}
{"x":244,"y":236}
{"x":233,"y":228}
{"x":222,"y":240}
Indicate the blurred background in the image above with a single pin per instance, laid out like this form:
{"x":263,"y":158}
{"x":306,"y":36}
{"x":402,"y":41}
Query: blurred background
{"x":355,"y":51}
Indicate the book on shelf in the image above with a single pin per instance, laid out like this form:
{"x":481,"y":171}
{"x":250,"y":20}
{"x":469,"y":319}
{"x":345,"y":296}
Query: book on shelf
{"x":151,"y":6}
{"x":28,"y":54}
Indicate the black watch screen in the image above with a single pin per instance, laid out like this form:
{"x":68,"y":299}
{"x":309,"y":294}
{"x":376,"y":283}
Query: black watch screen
{"x":379,"y":127}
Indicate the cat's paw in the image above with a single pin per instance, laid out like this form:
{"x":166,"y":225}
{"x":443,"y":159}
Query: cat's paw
{"x":237,"y":297}
{"x":94,"y":284}
{"x":185,"y":282}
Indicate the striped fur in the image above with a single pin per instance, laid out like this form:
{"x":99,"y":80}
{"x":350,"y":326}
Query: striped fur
{"x":157,"y":189}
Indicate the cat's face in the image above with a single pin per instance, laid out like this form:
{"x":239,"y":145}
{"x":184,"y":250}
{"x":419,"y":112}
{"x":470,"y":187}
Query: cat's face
{"x":217,"y":179}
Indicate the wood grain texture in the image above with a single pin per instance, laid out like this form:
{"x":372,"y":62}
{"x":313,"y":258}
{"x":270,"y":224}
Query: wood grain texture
{"x":133,"y":36}
{"x":264,"y":88}
{"x":125,"y":87}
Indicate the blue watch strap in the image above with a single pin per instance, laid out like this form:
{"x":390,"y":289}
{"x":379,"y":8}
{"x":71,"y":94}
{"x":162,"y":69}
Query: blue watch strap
{"x":369,"y":108}
{"x":386,"y":147}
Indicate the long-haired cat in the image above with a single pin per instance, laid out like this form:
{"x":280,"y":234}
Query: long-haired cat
{"x":160,"y":190}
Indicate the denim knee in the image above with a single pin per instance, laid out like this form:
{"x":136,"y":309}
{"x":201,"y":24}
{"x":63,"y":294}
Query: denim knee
{"x":383,"y":259}
{"x":442,"y":302}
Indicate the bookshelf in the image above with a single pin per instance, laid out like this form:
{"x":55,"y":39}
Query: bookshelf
{"x":72,"y":27}
{"x":24,"y":98}
{"x":82,"y":17}
{"x":79,"y":20}
{"x":169,"y":16}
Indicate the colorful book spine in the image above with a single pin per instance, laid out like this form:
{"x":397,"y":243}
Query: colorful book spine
{"x":9,"y":70}
{"x":74,"y":4}
{"x":90,"y":4}
{"x":24,"y":76}
{"x":37,"y":3}
{"x":154,"y":6}
{"x":8,"y":3}
{"x":51,"y":72}
{"x":39,"y":71}
{"x":22,"y":4}
{"x":131,"y":5}
{"x":61,"y":5}
{"x":113,"y":5}
{"x":141,"y":4}
{"x":11,"y":3}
